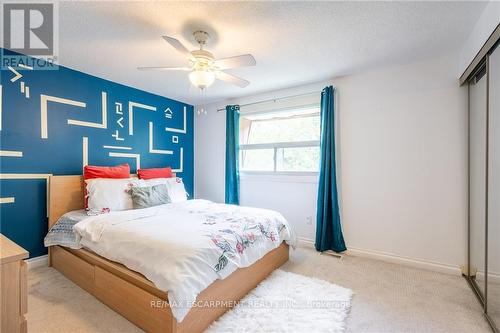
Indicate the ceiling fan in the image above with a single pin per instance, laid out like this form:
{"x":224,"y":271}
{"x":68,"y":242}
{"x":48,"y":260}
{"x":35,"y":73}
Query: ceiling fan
{"x":203,"y":67}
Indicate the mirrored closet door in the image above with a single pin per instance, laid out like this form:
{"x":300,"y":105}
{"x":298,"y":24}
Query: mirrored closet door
{"x":493,"y":241}
{"x":477,"y":177}
{"x":483,"y":268}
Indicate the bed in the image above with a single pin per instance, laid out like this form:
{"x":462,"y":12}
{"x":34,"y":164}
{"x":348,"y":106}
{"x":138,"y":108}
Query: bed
{"x":136,"y":297}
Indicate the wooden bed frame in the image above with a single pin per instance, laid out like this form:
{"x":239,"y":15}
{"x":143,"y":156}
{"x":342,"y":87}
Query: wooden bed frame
{"x":130,"y":293}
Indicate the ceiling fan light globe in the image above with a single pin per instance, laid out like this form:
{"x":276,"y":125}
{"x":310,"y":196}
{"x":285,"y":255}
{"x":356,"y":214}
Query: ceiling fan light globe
{"x":202,"y":79}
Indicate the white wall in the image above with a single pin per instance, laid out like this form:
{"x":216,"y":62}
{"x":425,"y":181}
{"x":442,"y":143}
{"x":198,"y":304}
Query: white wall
{"x":402,"y":163}
{"x":484,"y":27}
{"x":209,"y":154}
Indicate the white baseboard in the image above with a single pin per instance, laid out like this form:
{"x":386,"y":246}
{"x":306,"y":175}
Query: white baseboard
{"x":38,"y":261}
{"x":493,"y":277}
{"x":392,"y":258}
{"x":305,"y":242}
{"x":407,"y":261}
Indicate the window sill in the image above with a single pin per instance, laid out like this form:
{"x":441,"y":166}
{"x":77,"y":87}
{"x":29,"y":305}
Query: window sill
{"x":282,"y":177}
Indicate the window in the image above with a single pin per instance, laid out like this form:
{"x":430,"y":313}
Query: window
{"x":281,"y":141}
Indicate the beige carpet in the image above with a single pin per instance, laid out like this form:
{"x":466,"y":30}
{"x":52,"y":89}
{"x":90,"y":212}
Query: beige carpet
{"x":388,"y":298}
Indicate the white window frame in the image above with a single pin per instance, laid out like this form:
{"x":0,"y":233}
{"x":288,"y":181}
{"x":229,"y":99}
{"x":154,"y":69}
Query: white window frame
{"x":275,"y":146}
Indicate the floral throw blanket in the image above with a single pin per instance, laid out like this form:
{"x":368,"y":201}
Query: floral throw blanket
{"x":238,"y":228}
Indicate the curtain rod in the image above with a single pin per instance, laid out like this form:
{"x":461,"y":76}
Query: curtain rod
{"x":273,"y":100}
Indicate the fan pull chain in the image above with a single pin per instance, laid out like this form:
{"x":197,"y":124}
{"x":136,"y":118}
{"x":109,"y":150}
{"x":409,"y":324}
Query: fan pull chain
{"x":202,"y":108}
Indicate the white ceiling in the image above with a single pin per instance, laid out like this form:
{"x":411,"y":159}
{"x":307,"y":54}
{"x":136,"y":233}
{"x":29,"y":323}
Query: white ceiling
{"x":293,"y":42}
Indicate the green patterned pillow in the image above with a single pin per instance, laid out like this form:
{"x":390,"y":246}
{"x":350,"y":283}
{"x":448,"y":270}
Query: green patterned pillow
{"x":144,"y":197}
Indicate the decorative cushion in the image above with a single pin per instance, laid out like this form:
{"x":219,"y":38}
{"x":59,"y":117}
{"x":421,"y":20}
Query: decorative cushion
{"x":144,"y":197}
{"x":176,"y":189}
{"x":119,"y":171}
{"x":106,"y":195}
{"x":155,"y":173}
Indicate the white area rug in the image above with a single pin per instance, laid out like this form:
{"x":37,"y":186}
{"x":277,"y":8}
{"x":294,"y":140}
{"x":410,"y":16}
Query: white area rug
{"x":288,"y":302}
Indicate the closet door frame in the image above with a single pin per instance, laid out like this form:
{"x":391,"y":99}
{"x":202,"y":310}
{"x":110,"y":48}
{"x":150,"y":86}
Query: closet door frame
{"x":472,"y":282}
{"x":496,"y":46}
{"x":487,"y":186}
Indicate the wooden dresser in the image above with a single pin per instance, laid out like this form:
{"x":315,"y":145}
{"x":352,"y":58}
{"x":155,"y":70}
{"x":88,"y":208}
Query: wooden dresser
{"x":13,"y":286}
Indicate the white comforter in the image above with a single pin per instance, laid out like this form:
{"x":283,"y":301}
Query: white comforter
{"x":184,"y":247}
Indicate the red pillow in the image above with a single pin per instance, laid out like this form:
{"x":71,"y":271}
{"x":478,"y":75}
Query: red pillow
{"x":155,"y":173}
{"x":119,"y":171}
{"x":94,"y":171}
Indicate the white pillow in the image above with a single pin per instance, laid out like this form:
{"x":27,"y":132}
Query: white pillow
{"x":106,"y":195}
{"x":176,"y":189}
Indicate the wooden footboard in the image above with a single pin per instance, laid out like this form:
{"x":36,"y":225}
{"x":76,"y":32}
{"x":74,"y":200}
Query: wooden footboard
{"x":137,"y":299}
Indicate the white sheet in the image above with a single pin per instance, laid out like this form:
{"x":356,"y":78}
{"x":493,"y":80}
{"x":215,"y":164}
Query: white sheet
{"x":184,"y":247}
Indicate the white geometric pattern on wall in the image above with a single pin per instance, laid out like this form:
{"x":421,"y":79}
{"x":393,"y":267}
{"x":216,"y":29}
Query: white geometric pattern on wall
{"x":151,"y":145}
{"x":131,"y":106}
{"x":183,"y":129}
{"x":45,"y":99}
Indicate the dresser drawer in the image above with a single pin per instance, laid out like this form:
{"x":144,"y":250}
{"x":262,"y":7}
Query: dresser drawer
{"x":13,"y":286}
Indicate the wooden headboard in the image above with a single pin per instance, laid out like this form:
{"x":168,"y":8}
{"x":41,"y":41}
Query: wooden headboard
{"x":65,"y":195}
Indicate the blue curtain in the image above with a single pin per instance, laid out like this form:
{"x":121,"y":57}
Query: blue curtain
{"x":328,"y":228}
{"x":232,"y":154}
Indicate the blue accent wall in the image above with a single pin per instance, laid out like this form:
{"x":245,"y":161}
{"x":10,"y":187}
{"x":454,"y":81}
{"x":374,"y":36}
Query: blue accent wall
{"x":52,"y":121}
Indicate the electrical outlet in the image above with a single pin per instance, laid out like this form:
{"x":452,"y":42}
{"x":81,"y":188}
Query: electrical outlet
{"x":309,"y":220}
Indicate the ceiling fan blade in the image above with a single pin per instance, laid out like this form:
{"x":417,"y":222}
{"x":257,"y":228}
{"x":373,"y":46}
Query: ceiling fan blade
{"x":179,"y":47}
{"x":232,"y":79}
{"x":164,"y":68}
{"x":237,"y":61}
